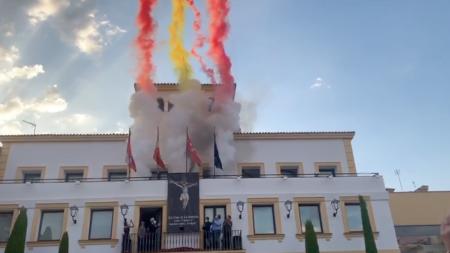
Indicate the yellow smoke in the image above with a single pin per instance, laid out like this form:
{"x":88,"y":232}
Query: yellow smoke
{"x":178,"y":54}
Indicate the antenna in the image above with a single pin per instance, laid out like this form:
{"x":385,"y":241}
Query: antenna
{"x":397,"y":172}
{"x":31,"y":124}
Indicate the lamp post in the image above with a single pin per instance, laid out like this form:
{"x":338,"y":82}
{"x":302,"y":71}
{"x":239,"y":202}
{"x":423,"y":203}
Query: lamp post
{"x":335,"y":206}
{"x":73,"y":213}
{"x":288,"y":206}
{"x":240,"y":208}
{"x":124,"y":210}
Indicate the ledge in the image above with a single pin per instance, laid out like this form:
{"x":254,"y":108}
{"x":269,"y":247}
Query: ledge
{"x":351,"y":234}
{"x":112,"y":242}
{"x":253,"y":238}
{"x":32,"y":244}
{"x":326,"y":236}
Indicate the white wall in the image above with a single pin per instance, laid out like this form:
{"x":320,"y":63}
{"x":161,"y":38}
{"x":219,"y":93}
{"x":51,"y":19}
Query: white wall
{"x":95,"y":155}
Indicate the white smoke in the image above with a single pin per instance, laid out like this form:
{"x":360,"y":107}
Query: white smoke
{"x":190,"y":112}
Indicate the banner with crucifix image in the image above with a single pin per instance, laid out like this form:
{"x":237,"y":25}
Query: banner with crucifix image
{"x":183,"y":196}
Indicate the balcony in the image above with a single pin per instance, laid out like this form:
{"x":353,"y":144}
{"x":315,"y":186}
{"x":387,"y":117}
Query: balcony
{"x":182,"y":242}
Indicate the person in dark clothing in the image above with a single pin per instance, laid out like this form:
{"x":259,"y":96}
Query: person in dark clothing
{"x":126,"y":240}
{"x":207,"y":234}
{"x":227,"y":232}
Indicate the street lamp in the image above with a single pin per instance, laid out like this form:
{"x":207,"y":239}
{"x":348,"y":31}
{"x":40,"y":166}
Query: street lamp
{"x":240,"y":208}
{"x":73,"y":213}
{"x":335,"y":206}
{"x":288,"y":206}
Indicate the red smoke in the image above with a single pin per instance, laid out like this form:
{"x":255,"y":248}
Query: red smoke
{"x":218,"y":32}
{"x":199,"y":42}
{"x":145,"y":44}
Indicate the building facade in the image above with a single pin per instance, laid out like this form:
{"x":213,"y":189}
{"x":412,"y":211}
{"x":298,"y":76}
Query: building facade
{"x":281,"y":180}
{"x":417,"y":218}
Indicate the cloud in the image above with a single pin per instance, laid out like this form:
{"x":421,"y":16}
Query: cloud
{"x":11,"y":109}
{"x":8,"y":56}
{"x":11,"y":128}
{"x":78,"y":122}
{"x":317,"y":83}
{"x":51,"y":102}
{"x":24,"y":72}
{"x":43,"y":9}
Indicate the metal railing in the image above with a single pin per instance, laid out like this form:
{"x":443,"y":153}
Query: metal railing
{"x":181,"y":242}
{"x":164,"y":177}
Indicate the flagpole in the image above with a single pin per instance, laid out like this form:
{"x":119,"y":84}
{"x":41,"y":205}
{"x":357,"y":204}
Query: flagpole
{"x":128,"y":163}
{"x":157,"y":145}
{"x":187,"y":136}
{"x":214,"y":156}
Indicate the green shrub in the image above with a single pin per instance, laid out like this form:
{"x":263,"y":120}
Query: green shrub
{"x":16,"y":241}
{"x":369,"y":241}
{"x":64,"y":243}
{"x":311,"y":245}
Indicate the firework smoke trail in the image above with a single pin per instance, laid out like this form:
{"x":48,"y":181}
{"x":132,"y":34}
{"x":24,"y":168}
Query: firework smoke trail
{"x":200,"y":42}
{"x":218,"y":32}
{"x":145,"y":44}
{"x":178,"y":54}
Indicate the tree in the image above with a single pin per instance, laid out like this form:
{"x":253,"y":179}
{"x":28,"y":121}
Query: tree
{"x":369,"y":241}
{"x":64,"y":243}
{"x":16,"y":241}
{"x":311,"y":244}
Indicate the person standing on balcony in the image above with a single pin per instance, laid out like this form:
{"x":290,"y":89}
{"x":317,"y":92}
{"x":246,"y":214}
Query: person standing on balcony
{"x":227,"y":232}
{"x":141,"y":237}
{"x":216,"y":229}
{"x":207,"y":233}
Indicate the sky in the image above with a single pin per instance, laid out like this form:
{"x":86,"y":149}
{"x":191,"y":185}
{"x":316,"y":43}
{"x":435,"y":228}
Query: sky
{"x":379,"y":68}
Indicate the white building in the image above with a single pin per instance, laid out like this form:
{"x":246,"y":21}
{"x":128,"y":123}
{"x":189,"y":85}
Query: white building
{"x":47,"y":174}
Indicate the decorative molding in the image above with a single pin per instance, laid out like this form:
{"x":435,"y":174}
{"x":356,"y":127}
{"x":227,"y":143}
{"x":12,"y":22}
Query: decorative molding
{"x":349,"y":155}
{"x":4,"y":154}
{"x":326,"y":236}
{"x":122,"y":137}
{"x":112,"y":242}
{"x":298,"y":164}
{"x":253,"y":238}
{"x":352,"y":234}
{"x":32,"y":244}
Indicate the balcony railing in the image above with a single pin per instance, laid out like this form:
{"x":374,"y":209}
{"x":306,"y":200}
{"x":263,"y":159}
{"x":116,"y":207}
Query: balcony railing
{"x":164,"y":177}
{"x":181,"y":242}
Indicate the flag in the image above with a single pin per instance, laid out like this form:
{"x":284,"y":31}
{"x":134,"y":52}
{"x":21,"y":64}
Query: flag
{"x":129,"y":156}
{"x":193,"y":152}
{"x":217,"y":161}
{"x":157,"y":154}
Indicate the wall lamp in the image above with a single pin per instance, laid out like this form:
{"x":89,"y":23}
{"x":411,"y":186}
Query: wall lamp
{"x":240,"y":208}
{"x":335,"y":206}
{"x":73,"y":213}
{"x":124,"y":210}
{"x":288,"y":206}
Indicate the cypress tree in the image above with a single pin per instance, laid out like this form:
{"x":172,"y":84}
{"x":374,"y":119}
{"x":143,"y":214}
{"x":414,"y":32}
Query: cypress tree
{"x":311,"y":245}
{"x":369,"y":241}
{"x":64,"y":243}
{"x":16,"y":241}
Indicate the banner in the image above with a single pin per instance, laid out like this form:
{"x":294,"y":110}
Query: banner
{"x":183,"y":202}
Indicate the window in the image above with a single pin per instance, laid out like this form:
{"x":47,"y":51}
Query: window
{"x":263,"y":219}
{"x":117,"y":175}
{"x":31,"y":176}
{"x":5,"y":225}
{"x":101,"y":224}
{"x":289,"y":170}
{"x":251,"y":172}
{"x":327,"y":171}
{"x":311,"y":212}
{"x":213,"y":211}
{"x":73,"y":176}
{"x":51,"y":225}
{"x":354,"y":216}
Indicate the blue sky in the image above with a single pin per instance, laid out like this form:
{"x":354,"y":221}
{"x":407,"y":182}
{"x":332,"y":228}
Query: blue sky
{"x":380,"y":68}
